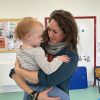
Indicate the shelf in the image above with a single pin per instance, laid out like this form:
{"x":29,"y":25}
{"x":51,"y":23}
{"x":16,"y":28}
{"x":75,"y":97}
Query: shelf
{"x":7,"y":51}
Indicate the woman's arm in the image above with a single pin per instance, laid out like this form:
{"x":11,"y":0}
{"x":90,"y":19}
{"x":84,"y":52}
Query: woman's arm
{"x":31,"y":76}
{"x":21,"y":83}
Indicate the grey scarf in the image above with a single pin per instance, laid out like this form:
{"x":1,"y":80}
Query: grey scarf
{"x":54,"y":49}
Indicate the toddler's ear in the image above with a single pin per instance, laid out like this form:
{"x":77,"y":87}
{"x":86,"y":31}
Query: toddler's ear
{"x":28,"y":35}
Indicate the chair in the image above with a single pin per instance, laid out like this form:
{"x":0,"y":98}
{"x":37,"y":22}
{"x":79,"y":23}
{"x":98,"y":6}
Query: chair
{"x":97,"y":76}
{"x":79,"y":78}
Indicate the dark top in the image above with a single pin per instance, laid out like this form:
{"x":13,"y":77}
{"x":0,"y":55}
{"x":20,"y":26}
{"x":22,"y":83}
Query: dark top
{"x":60,"y":78}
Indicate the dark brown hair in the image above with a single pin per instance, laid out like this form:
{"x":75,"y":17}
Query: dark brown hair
{"x":66,"y":22}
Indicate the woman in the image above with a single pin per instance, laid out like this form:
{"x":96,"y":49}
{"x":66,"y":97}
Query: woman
{"x":60,"y":38}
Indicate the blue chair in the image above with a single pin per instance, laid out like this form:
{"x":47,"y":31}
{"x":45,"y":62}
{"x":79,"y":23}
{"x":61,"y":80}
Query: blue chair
{"x":79,"y":79}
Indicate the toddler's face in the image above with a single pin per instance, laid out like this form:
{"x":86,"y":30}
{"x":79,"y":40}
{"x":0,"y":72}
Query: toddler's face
{"x":37,"y":35}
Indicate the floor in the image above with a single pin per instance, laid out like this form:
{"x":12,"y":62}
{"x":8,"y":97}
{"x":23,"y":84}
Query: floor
{"x":90,"y":93}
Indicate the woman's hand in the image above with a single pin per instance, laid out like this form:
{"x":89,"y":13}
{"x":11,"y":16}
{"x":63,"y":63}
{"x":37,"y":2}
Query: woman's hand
{"x":44,"y":95}
{"x":17,"y":64}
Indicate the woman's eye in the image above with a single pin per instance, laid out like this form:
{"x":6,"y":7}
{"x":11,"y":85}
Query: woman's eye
{"x":55,"y":32}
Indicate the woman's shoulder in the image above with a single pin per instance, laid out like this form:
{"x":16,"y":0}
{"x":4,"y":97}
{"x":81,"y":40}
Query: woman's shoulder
{"x":73,"y":56}
{"x":73,"y":53}
{"x":67,"y":52}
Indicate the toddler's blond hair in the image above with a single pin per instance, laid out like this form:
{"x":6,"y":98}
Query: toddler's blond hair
{"x":25,"y":26}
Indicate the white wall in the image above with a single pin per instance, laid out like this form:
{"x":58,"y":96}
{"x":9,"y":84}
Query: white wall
{"x":41,"y":9}
{"x":98,"y":20}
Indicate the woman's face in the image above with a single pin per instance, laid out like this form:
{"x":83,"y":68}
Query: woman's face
{"x":55,"y":34}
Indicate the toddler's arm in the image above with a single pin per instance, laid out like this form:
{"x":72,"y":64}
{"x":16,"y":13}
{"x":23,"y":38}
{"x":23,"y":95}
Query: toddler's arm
{"x":48,"y":67}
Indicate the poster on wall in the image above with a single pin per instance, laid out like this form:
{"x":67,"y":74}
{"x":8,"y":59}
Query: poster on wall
{"x":7,"y":38}
{"x":87,"y":44}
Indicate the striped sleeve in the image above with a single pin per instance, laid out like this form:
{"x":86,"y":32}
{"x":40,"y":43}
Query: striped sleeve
{"x":41,"y":60}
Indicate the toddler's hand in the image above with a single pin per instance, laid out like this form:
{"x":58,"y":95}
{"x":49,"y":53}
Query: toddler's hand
{"x":64,"y":58}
